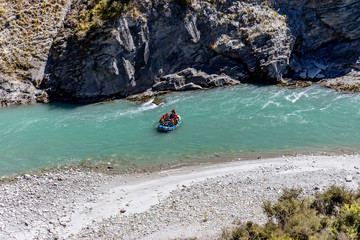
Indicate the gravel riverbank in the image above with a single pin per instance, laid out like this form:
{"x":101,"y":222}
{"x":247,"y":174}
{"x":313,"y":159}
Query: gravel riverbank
{"x":195,"y":201}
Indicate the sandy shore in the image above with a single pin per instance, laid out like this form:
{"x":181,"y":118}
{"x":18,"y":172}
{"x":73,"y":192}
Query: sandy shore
{"x":195,"y":201}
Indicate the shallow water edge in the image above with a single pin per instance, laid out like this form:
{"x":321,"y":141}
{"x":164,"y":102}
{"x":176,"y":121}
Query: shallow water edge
{"x":111,"y":169}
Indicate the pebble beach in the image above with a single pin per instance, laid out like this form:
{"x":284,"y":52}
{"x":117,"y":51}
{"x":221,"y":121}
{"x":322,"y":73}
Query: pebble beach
{"x":195,"y":202}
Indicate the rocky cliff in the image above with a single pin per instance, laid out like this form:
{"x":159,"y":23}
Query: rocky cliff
{"x":165,"y":46}
{"x":27,"y":30}
{"x":160,"y":45}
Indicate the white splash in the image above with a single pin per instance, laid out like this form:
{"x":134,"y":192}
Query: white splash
{"x":294,"y":97}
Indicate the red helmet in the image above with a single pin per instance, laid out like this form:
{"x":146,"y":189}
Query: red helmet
{"x":173,"y":109}
{"x":167,"y":114}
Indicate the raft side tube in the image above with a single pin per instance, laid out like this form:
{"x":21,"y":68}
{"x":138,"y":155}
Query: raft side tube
{"x":168,"y":129}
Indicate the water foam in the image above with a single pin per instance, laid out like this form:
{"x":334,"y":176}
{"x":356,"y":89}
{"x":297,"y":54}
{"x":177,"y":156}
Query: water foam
{"x":270,"y":102}
{"x":294,"y":97}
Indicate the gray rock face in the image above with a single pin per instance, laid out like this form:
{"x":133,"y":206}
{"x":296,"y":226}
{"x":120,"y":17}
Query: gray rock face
{"x":166,"y":47}
{"x":191,"y":79}
{"x":17,"y":93}
{"x":328,"y":37}
{"x":27,"y":31}
{"x":169,"y":48}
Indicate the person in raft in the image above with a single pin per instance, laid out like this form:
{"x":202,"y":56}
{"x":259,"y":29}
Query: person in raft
{"x":171,"y":123}
{"x":162,"y":121}
{"x":166,"y":117}
{"x":175,"y":119}
{"x":173,"y":113}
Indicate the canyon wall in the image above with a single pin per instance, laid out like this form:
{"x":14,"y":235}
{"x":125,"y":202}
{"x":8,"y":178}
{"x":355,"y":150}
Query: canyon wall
{"x":163,"y":45}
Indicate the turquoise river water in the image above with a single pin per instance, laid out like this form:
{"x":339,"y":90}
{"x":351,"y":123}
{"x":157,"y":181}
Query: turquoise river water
{"x":222,"y":123}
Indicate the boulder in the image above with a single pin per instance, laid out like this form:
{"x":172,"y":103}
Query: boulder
{"x":348,"y":178}
{"x":303,"y":75}
{"x":191,"y":79}
{"x":347,"y":83}
{"x":312,"y":73}
{"x":14,"y":92}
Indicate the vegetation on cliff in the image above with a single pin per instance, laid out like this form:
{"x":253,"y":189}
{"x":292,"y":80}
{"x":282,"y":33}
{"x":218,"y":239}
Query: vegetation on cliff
{"x":90,"y":14}
{"x":26,"y":32}
{"x":87,"y":15}
{"x":334,"y":214}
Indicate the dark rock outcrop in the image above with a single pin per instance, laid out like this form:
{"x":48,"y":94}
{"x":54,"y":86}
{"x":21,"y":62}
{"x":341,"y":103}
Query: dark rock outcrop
{"x":169,"y":48}
{"x":328,"y":38}
{"x":160,"y":45}
{"x":166,"y":47}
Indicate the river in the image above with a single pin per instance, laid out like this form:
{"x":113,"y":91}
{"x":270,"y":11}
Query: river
{"x":218,"y":124}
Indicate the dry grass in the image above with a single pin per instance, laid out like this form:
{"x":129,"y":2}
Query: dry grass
{"x":26,"y":32}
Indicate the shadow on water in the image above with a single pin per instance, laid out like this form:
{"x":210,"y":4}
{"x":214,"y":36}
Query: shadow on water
{"x":65,"y":106}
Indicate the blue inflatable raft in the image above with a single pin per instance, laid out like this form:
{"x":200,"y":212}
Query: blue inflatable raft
{"x":164,"y":128}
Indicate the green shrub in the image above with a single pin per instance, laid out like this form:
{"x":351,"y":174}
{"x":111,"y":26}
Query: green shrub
{"x":96,"y":13}
{"x":107,"y":9}
{"x":334,"y":214}
{"x":349,"y":220}
{"x":329,"y":202}
{"x":287,"y":205}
